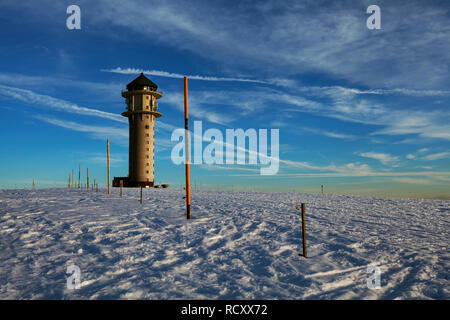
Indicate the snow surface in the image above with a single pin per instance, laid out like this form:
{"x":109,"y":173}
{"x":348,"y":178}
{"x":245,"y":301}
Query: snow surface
{"x":238,"y":245}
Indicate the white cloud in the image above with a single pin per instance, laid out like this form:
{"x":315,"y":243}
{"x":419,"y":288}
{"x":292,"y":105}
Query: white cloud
{"x":30,"y":97}
{"x":118,"y":135}
{"x":331,"y":134}
{"x":30,"y":81}
{"x":197,"y":107}
{"x":384,"y":158}
{"x":178,"y":76}
{"x":439,"y":175}
{"x":436,"y":156}
{"x":414,"y":181}
{"x":300,"y":37}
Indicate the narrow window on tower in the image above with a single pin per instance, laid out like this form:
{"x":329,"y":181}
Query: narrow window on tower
{"x":146,"y":126}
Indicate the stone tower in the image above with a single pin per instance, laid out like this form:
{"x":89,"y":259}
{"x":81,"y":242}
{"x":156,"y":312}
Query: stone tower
{"x":140,"y":98}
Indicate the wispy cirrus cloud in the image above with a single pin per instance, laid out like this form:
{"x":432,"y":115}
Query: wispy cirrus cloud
{"x":331,"y":134}
{"x":166,"y":74}
{"x":198,"y":108}
{"x":36,"y":82}
{"x":426,"y":182}
{"x":41,"y":100}
{"x":437,"y":156}
{"x":441,"y":175}
{"x":118,"y":135}
{"x":318,"y":36}
{"x":33,"y":98}
{"x":392,"y":121}
{"x":384,"y":158}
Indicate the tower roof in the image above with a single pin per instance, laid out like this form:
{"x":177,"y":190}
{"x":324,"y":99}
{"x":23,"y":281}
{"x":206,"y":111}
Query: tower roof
{"x":140,"y":82}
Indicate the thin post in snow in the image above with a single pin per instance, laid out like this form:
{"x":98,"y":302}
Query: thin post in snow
{"x":303,"y":229}
{"x":87,"y":179}
{"x":140,"y":200}
{"x":79,"y":176}
{"x":121,"y":186}
{"x":109,"y":175}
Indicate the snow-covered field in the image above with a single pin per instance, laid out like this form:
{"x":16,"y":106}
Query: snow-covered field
{"x":238,"y":245}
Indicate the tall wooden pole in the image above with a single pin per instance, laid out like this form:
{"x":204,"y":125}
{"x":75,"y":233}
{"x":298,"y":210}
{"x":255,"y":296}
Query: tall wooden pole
{"x":304,"y":229}
{"x":68,"y":186}
{"x":121,"y":186}
{"x":79,"y":176}
{"x":87,"y":183}
{"x":72,"y":178}
{"x":140,"y":200}
{"x":109,"y":177}
{"x":186,"y":150}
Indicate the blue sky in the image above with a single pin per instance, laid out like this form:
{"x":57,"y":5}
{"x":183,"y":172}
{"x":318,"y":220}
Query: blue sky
{"x":359,"y":111}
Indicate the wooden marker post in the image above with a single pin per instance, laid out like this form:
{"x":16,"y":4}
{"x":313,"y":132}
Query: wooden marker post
{"x":79,"y":176}
{"x":186,"y":150}
{"x":87,"y":179}
{"x":141,"y":196}
{"x":303,"y":229}
{"x":68,"y":186}
{"x":109,"y":177}
{"x":121,"y":186}
{"x":322,"y":189}
{"x":72,"y":178}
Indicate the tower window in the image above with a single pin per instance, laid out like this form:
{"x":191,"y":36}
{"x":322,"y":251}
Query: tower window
{"x":147,"y":135}
{"x":146,"y":126}
{"x":146,"y":97}
{"x":147,"y":171}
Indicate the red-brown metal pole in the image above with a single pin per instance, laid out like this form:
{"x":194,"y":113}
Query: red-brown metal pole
{"x":186,"y":150}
